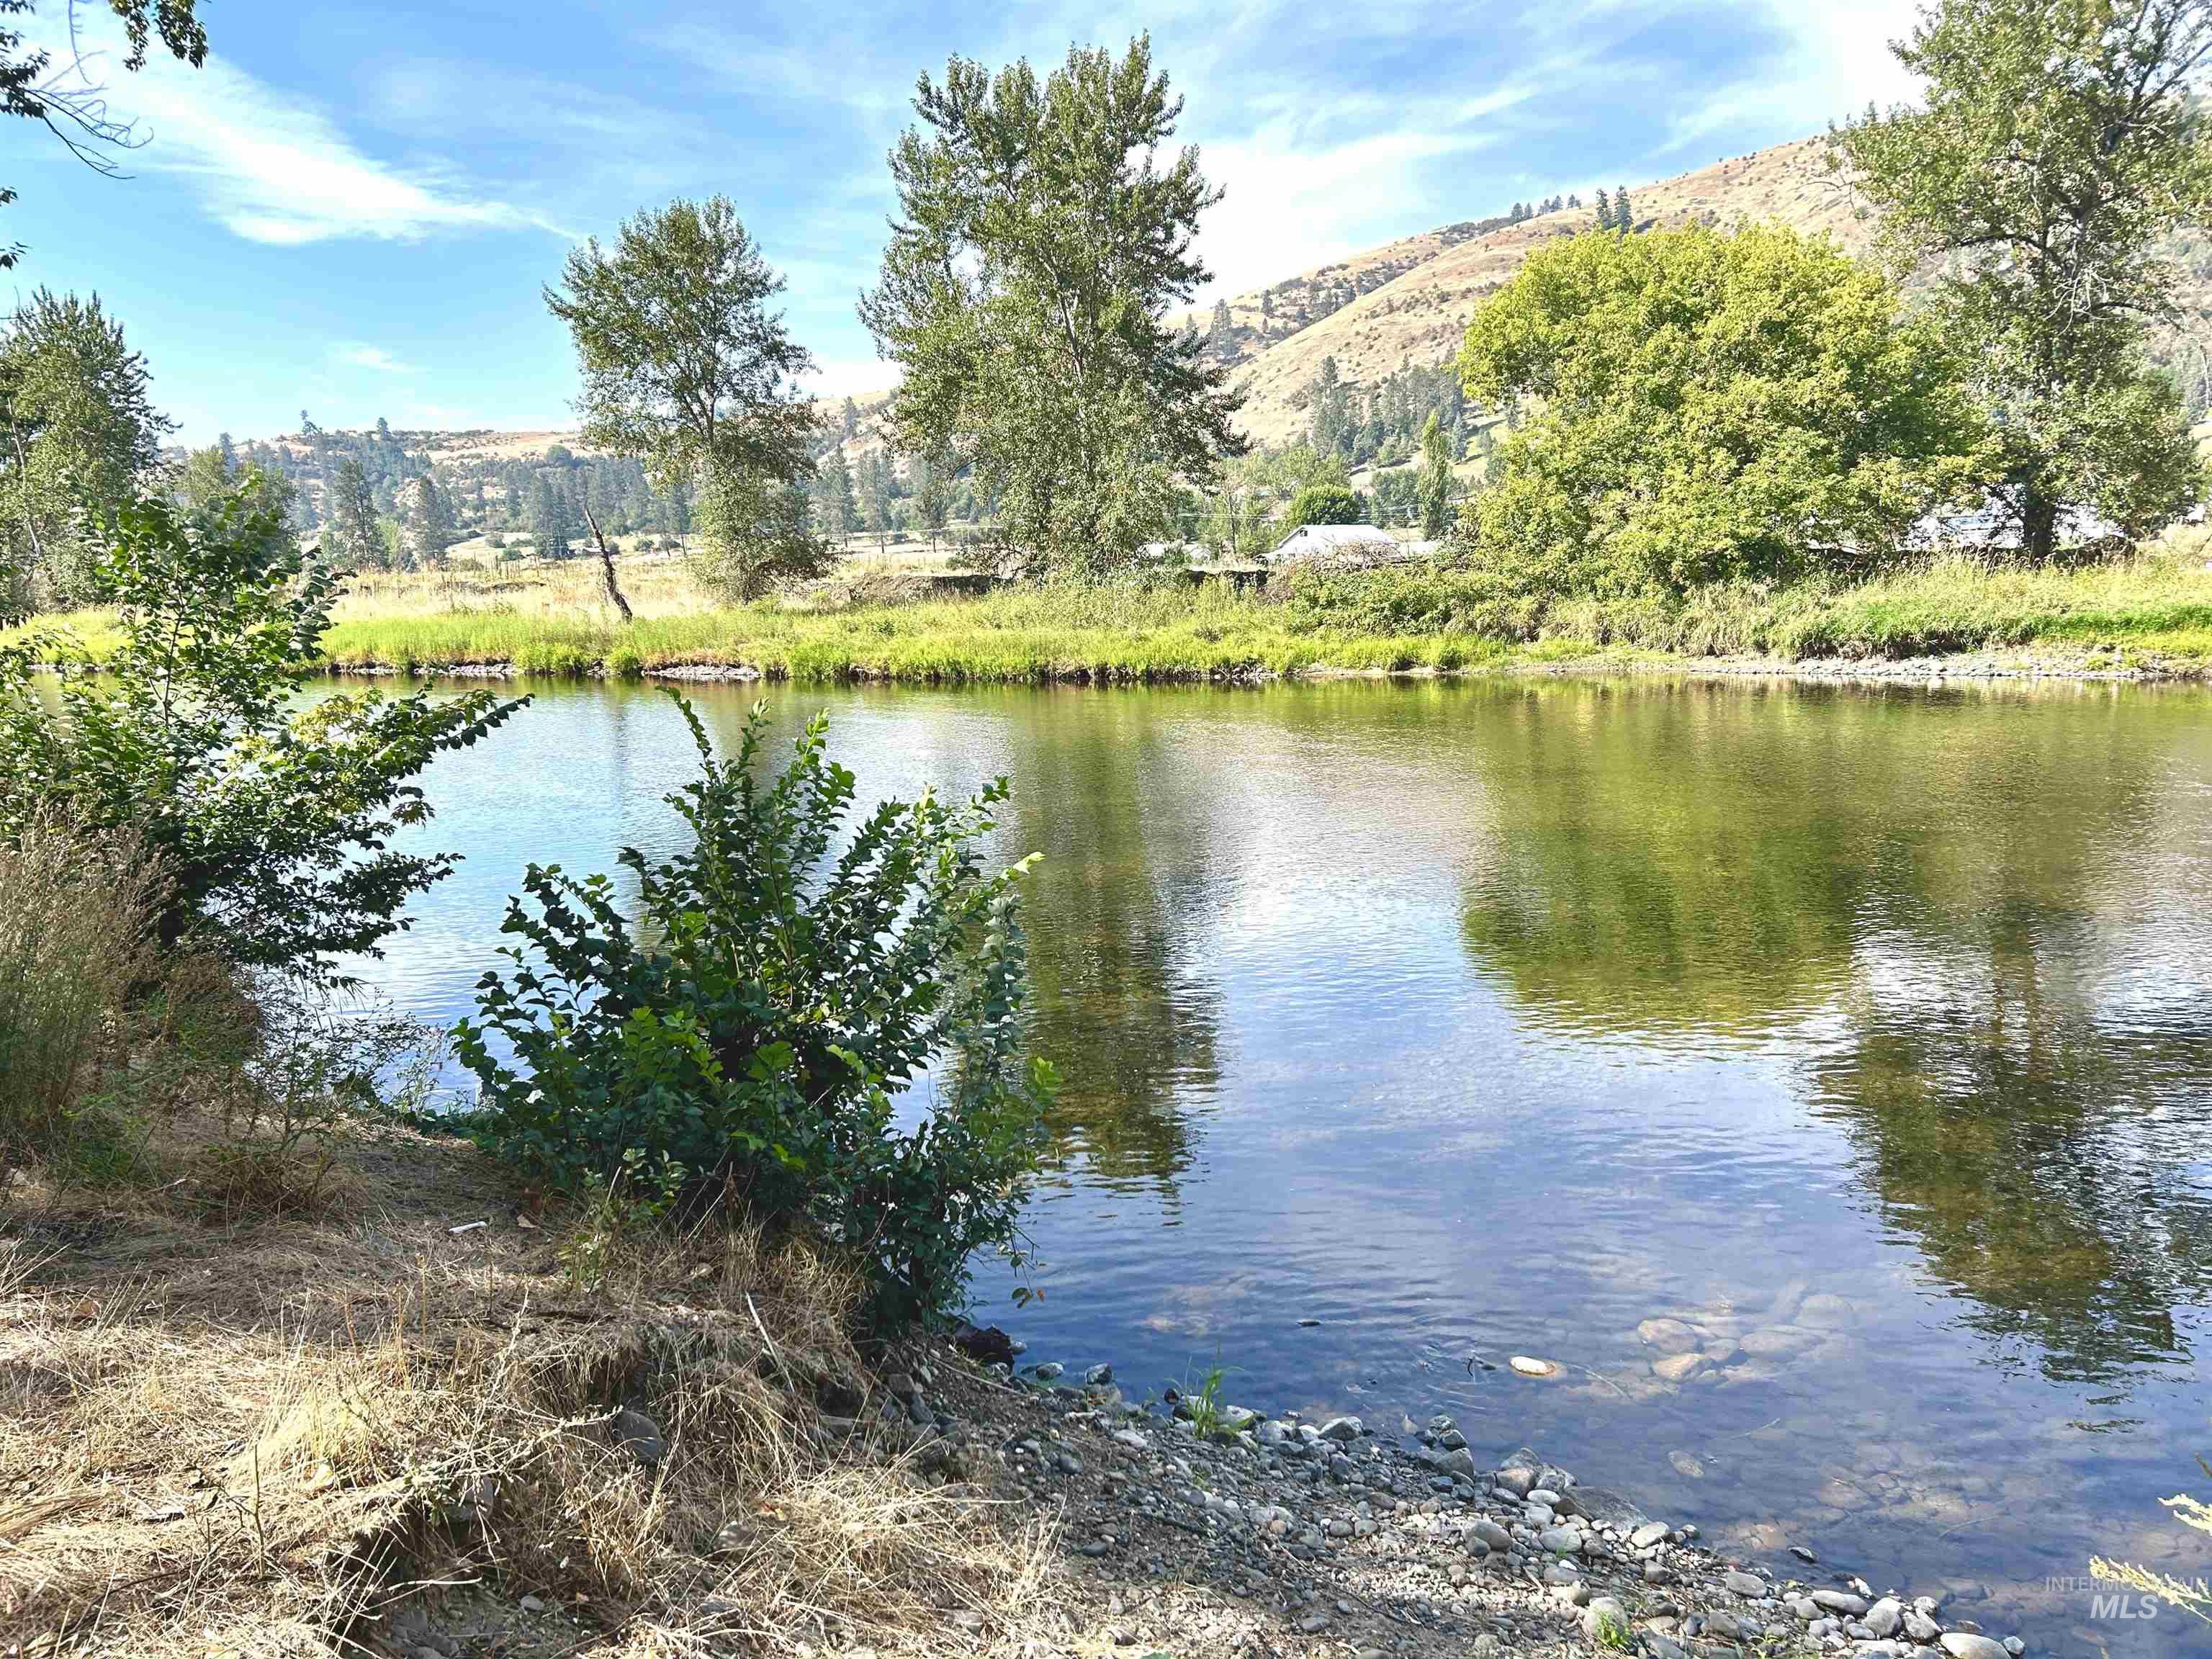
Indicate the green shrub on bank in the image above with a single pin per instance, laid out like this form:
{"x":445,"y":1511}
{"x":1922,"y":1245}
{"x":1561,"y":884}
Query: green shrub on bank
{"x":270,"y":821}
{"x":747,"y":1039}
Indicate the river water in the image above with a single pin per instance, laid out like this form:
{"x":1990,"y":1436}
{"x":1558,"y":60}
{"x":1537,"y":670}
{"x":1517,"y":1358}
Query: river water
{"x":1867,"y":1033}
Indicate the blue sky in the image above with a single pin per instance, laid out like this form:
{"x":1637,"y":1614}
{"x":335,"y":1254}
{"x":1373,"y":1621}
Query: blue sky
{"x":351,"y":209}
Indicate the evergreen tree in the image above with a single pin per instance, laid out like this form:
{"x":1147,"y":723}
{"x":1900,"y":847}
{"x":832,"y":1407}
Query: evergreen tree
{"x":428,"y":523}
{"x":80,"y":429}
{"x":1218,"y":336}
{"x":351,"y":537}
{"x":836,"y":513}
{"x":849,"y":419}
{"x":1604,"y":211}
{"x":1433,"y":486}
{"x":1624,"y":216}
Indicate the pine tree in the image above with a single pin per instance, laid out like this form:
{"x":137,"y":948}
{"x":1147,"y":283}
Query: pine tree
{"x":429,"y":521}
{"x":1624,"y":216}
{"x":1219,"y":337}
{"x":1604,"y":211}
{"x":352,"y":537}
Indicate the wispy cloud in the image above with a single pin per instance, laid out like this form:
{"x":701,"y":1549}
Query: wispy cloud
{"x":273,"y":168}
{"x":357,"y":356}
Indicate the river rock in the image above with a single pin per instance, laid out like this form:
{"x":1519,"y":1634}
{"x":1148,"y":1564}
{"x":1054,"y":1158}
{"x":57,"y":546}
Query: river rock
{"x":1560,"y":1541}
{"x":1050,"y":1369}
{"x":1491,"y":1535}
{"x":1823,"y":1312}
{"x":1680,"y":1367}
{"x":1097,"y":1374}
{"x":1685,"y":1465}
{"x":1518,"y":1481}
{"x":1668,"y":1336}
{"x":1647,"y":1534}
{"x":1343,"y":1429}
{"x":1841,"y":1602}
{"x":1604,"y":1617}
{"x":1886,"y":1616}
{"x":1744,"y":1585}
{"x":1779,"y":1342}
{"x":1966,"y":1644}
{"x":1921,"y":1628}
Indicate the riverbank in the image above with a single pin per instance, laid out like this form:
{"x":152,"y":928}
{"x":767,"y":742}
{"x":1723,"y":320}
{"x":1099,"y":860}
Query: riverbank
{"x":398,"y":1422}
{"x":2148,"y":617}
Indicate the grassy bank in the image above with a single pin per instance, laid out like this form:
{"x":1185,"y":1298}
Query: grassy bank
{"x":2153,"y":611}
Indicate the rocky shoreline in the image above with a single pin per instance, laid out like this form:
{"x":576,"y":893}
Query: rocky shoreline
{"x":1192,"y":1525}
{"x":1931,"y":673}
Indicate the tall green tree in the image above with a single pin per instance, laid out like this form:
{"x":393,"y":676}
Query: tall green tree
{"x":687,"y":369}
{"x":836,"y":512}
{"x":80,"y":429}
{"x":1433,"y":485}
{"x":1044,"y":238}
{"x":427,"y":523}
{"x":1711,"y":407}
{"x":2060,"y":142}
{"x":352,"y":538}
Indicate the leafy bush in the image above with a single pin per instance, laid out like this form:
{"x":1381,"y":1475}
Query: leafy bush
{"x":746,"y":1039}
{"x":1713,"y":407}
{"x":270,"y":816}
{"x":1322,"y":504}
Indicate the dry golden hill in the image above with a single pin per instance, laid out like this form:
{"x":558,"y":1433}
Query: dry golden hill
{"x":1420,"y":315}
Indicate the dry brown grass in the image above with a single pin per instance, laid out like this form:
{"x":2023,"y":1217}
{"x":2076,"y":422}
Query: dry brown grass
{"x":333,"y":1432}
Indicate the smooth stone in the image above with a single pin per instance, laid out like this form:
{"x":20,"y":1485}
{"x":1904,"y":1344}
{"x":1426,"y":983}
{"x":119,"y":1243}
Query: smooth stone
{"x":1744,"y":1585}
{"x":1343,"y":1429}
{"x":1679,"y":1367}
{"x":1098,"y":1374}
{"x":1886,"y":1616}
{"x":1921,"y":1628}
{"x":1841,"y":1602}
{"x":1669,"y":1336}
{"x":1491,"y":1535}
{"x":1778,"y":1342}
{"x":1826,"y":1313}
{"x":1966,"y":1644}
{"x":1647,"y":1534}
{"x":1050,"y":1369}
{"x":1561,"y":1541}
{"x":1685,"y":1465}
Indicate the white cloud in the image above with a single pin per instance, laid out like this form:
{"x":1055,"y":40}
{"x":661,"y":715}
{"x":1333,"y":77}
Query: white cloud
{"x":851,"y":377}
{"x":1286,"y":208}
{"x":1838,"y":59}
{"x":273,"y":168}
{"x":357,"y":356}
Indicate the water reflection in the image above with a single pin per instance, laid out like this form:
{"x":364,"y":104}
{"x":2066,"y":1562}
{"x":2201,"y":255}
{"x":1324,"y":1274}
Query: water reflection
{"x":1862,"y":1034}
{"x":1943,"y":901}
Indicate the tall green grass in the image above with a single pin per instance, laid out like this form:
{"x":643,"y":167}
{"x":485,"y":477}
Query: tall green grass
{"x":2153,"y":609}
{"x":77,"y":910}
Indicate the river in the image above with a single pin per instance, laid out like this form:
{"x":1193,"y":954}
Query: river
{"x":1867,"y":1033}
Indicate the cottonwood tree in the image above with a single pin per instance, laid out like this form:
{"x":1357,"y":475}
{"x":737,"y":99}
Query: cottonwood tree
{"x":2059,"y":144}
{"x":1710,"y":408}
{"x":80,"y":429}
{"x":687,"y":369}
{"x":1044,"y":237}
